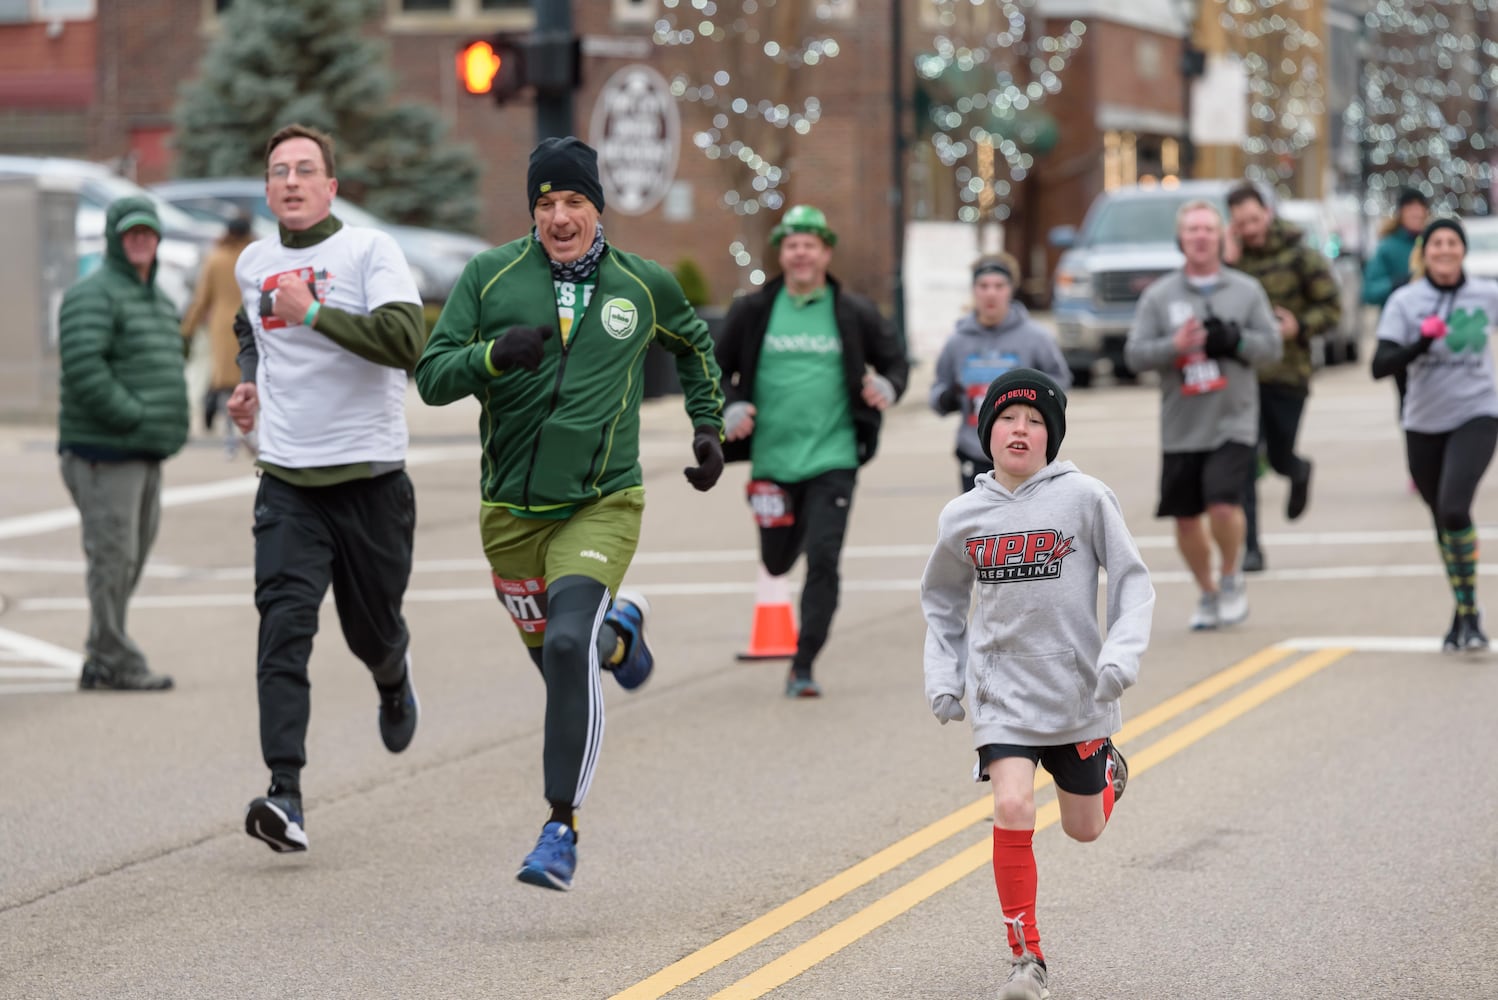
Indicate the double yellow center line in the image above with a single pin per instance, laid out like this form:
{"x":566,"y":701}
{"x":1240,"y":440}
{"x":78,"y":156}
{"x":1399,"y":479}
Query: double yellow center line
{"x":932,"y":881}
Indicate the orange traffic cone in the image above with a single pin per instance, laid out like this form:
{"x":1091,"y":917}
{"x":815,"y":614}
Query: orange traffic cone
{"x":773,"y":634}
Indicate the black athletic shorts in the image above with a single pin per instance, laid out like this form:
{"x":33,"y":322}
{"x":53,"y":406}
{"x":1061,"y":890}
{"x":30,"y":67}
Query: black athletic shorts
{"x":1190,"y":480}
{"x":1074,"y":773}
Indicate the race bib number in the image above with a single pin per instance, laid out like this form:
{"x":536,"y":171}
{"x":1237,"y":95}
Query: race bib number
{"x":525,"y":600}
{"x":1201,"y":374}
{"x":770,"y":503}
{"x":977,"y":375}
{"x":317,"y":283}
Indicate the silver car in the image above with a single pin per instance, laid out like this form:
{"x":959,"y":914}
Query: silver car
{"x":183,"y":241}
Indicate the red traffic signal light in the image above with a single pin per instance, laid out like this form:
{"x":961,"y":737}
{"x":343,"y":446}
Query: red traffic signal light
{"x":493,"y":65}
{"x":478,"y":65}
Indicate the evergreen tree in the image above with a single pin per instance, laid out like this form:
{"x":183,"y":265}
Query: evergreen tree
{"x":275,"y":62}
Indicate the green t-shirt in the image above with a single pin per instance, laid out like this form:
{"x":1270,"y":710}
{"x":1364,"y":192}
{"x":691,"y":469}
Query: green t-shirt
{"x":803,"y":426}
{"x":573,"y":298}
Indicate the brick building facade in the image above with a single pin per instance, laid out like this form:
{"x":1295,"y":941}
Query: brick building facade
{"x":1121,"y":102}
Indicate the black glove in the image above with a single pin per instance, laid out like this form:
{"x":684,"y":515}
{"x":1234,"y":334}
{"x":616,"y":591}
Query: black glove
{"x":709,"y":453}
{"x":949,"y":401}
{"x":1222,"y":337}
{"x":519,"y":347}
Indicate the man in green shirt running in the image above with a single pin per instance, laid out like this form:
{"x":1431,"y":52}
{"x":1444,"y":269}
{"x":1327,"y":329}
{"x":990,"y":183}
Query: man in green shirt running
{"x":549,"y":332}
{"x":810,"y":368}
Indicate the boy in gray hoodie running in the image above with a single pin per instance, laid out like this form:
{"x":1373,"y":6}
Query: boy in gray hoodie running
{"x":998,"y":335}
{"x":1033,"y":535}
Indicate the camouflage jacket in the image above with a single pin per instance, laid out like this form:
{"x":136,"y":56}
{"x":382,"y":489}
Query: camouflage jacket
{"x":1298,"y":278}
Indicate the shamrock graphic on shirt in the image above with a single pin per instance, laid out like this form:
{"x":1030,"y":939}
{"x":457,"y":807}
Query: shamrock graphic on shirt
{"x":1467,"y":331}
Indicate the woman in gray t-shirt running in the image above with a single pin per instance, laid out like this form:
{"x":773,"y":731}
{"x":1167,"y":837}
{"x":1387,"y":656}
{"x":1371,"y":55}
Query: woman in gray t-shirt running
{"x":1436,"y":328}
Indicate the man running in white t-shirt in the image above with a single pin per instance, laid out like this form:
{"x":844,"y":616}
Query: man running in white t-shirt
{"x":334,"y":325}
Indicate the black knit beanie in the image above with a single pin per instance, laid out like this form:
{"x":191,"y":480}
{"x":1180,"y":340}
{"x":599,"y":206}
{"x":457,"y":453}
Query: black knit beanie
{"x":1032,"y":388}
{"x":565,"y":164}
{"x":1451,"y":224}
{"x":1411,"y":196}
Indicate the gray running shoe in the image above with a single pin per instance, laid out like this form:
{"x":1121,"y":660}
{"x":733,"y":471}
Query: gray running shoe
{"x":1205,"y":616}
{"x":1232,"y":600}
{"x":1118,"y":772}
{"x":1027,"y":980}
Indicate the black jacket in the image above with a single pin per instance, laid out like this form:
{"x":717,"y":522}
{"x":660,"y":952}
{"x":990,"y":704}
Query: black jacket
{"x":867,"y":340}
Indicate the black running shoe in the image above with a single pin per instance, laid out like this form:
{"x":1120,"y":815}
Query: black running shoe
{"x":1300,"y":494}
{"x":399,"y":710}
{"x":276,"y":818}
{"x":1473,"y":637}
{"x":1456,"y":637}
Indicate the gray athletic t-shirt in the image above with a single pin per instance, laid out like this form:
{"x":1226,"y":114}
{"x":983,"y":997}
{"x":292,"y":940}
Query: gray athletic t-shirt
{"x":1453,"y":382}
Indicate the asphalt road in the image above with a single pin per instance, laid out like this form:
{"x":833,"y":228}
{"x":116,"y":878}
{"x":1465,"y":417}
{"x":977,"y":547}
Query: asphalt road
{"x":1311,"y":811}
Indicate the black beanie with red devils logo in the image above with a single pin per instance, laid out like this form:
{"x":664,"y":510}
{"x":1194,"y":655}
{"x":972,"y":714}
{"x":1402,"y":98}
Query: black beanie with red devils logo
{"x":1032,"y":388}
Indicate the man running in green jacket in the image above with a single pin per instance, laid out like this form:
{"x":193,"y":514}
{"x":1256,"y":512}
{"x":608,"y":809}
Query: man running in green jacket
{"x":549,"y":332}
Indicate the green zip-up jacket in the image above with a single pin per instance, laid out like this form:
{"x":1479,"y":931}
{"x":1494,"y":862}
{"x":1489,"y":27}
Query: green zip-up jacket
{"x":568,"y":433}
{"x":123,"y":394}
{"x":1297,"y":278}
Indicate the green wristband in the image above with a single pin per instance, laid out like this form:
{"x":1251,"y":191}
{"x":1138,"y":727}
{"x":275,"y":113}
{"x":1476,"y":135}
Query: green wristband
{"x":312,"y":311}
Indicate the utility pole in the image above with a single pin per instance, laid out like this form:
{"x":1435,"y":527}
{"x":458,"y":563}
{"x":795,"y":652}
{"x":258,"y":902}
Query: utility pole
{"x":897,"y":174}
{"x":555,"y":48}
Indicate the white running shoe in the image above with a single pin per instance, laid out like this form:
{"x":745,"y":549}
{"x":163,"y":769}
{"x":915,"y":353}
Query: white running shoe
{"x":1027,"y":980}
{"x":1205,"y":616}
{"x":1232,"y":600}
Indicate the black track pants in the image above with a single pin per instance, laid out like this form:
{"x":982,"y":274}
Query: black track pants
{"x":356,"y":537}
{"x":822,"y":505}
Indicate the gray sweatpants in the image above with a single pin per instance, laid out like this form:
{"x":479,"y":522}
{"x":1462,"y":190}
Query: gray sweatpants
{"x":119,"y":504}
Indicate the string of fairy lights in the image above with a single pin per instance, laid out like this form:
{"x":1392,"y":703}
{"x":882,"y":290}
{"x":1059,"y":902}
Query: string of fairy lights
{"x":1283,"y":59}
{"x":685,"y":22}
{"x":1425,"y":112}
{"x":989,"y":74}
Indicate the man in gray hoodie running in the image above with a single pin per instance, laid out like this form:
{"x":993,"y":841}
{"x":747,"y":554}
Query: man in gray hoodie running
{"x":997,"y":336}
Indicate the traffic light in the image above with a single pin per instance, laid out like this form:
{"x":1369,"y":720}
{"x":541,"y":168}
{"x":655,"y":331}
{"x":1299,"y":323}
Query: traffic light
{"x":494,"y":65}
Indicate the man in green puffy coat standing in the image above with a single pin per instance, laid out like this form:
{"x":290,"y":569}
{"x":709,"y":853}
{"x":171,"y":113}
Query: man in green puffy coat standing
{"x":123,"y":409}
{"x":549,"y":332}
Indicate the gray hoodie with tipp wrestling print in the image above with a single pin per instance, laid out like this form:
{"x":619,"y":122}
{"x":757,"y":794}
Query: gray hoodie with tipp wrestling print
{"x":1031,"y":653}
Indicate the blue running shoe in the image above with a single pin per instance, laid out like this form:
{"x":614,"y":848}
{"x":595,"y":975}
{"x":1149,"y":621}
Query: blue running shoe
{"x":553,"y":861}
{"x":628,"y":618}
{"x":276,"y":819}
{"x":801,"y":687}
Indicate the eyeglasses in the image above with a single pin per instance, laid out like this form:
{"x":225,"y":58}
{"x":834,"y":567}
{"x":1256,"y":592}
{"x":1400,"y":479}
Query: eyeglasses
{"x":304,"y":170}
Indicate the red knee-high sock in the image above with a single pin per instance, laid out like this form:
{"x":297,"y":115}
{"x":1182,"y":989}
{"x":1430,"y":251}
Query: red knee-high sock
{"x":1107,"y":801}
{"x":1014,"y":876}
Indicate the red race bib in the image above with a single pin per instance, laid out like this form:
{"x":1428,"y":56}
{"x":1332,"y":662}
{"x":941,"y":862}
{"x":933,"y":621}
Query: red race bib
{"x":770,"y":503}
{"x":525,"y":600}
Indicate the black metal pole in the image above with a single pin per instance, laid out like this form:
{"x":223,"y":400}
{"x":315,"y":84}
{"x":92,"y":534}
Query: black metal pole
{"x":897,"y":166}
{"x":553,"y":107}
